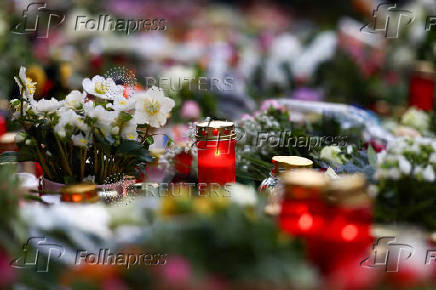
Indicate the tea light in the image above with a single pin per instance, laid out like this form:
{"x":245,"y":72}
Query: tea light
{"x":79,"y":193}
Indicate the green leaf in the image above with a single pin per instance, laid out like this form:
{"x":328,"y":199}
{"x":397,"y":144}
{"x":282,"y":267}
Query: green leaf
{"x":9,"y":156}
{"x":372,"y":157}
{"x":129,"y":146}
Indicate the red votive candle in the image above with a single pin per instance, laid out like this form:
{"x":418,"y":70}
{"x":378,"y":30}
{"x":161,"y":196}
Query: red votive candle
{"x":216,"y":141}
{"x":303,"y":210}
{"x":421,"y":86}
{"x":346,"y":235}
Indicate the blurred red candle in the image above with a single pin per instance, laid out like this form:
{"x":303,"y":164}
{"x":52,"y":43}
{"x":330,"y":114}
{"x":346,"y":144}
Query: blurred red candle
{"x":421,"y":86}
{"x":216,"y":141}
{"x":303,"y":210}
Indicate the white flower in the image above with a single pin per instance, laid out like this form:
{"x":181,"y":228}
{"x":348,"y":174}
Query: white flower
{"x":75,"y":99}
{"x":115,"y":130}
{"x":103,"y":88}
{"x":152,"y":107}
{"x":428,"y":173}
{"x":80,"y":140}
{"x":105,"y":117}
{"x":46,"y":106}
{"x":129,"y":131}
{"x":416,"y":119}
{"x":20,"y":137}
{"x":331,"y":153}
{"x":29,"y":85}
{"x":123,"y":104}
{"x":242,"y":195}
{"x":405,"y":165}
{"x":432,"y":158}
{"x":174,"y":78}
{"x":66,"y":116}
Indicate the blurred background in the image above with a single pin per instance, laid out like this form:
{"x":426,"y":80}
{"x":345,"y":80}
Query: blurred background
{"x":254,"y":50}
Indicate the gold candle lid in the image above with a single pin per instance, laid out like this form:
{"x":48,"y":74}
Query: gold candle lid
{"x":304,"y":177}
{"x":215,"y":130}
{"x":288,"y":162}
{"x":349,"y":190}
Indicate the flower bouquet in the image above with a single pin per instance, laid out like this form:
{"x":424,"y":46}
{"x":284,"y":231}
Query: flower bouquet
{"x":90,"y":135}
{"x":406,"y":188}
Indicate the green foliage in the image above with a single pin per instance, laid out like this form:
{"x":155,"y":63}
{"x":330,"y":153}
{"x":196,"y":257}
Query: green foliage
{"x":407,"y":200}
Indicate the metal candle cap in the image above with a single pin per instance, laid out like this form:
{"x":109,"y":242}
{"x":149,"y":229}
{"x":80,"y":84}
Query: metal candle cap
{"x":349,"y":190}
{"x":305,"y":178}
{"x":215,"y":130}
{"x":288,"y":162}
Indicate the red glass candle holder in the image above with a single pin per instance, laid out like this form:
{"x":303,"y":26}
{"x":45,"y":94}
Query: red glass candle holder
{"x":216,"y":142}
{"x":346,"y":234}
{"x":182,"y":162}
{"x":421,"y":87}
{"x":303,"y":210}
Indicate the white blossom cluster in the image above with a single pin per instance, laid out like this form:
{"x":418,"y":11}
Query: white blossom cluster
{"x":103,"y":106}
{"x":406,"y":157}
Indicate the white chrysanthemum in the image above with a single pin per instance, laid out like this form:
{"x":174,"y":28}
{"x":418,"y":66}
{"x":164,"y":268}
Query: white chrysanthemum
{"x":75,"y":99}
{"x":405,"y":165}
{"x":46,"y":106}
{"x":80,"y":140}
{"x":428,"y":173}
{"x":29,"y":85}
{"x":129,"y":131}
{"x":123,"y":104}
{"x":152,"y":107}
{"x":417,"y":119}
{"x":103,"y":88}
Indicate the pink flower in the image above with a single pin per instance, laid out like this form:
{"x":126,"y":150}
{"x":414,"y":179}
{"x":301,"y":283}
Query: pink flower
{"x":7,"y":274}
{"x":247,"y":117}
{"x":177,"y":271}
{"x":190,"y":110}
{"x":271,"y":103}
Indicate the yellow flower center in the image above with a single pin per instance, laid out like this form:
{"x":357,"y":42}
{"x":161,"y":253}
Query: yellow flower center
{"x":122,"y":103}
{"x":30,"y":85}
{"x":83,"y":141}
{"x":100,"y":88}
{"x":152,"y":107}
{"x":130,"y":137}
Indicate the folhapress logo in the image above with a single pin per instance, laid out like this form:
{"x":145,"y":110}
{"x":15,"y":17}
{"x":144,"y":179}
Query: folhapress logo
{"x":388,"y":19}
{"x":32,"y":254}
{"x":388,"y":254}
{"x":37,"y":20}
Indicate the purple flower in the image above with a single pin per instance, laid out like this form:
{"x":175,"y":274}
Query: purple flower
{"x":307,"y":94}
